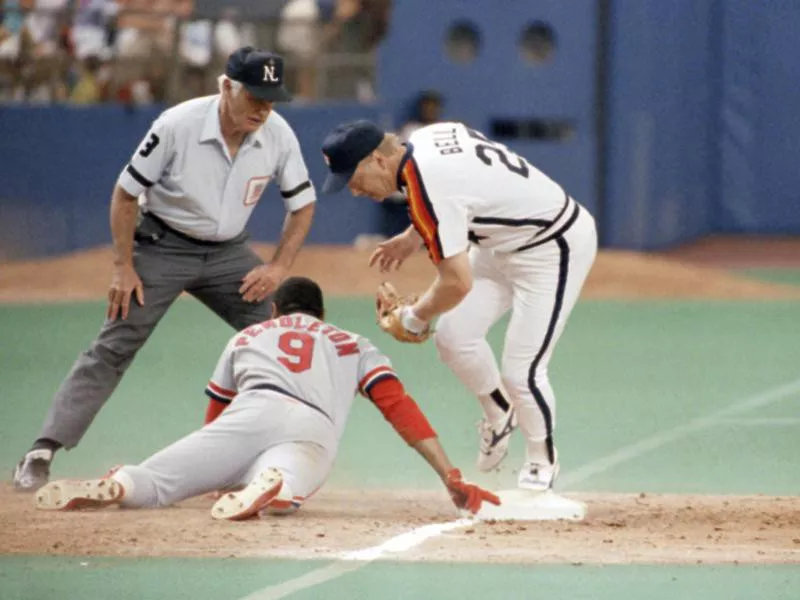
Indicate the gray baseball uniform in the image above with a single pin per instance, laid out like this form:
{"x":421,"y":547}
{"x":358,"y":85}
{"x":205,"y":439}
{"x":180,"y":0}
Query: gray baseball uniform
{"x":196,"y":202}
{"x":290,"y":383}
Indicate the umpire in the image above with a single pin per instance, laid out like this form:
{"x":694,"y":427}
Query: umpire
{"x":200,"y":171}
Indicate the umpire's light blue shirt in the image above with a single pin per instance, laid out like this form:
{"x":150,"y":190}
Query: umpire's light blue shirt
{"x":188,"y":179}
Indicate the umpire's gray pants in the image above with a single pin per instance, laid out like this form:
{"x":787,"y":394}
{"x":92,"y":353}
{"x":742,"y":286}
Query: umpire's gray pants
{"x":167,"y":264}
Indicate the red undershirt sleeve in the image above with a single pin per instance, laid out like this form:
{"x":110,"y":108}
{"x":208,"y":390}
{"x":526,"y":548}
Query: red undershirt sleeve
{"x":215,"y":408}
{"x":400,"y":410}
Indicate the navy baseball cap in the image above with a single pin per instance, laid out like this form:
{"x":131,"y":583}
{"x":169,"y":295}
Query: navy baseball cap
{"x":345,"y":147}
{"x":260,"y":72}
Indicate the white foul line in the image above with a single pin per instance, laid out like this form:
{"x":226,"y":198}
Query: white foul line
{"x":637,"y":449}
{"x":762,"y":422}
{"x":352,"y":561}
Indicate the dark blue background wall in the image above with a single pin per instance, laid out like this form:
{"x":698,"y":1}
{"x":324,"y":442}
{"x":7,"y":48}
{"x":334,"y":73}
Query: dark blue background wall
{"x":499,"y":83}
{"x":661,"y":122}
{"x":759,"y":143}
{"x":702,"y":122}
{"x":58,"y":166}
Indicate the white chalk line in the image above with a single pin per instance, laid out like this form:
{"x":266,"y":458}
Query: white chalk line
{"x":762,"y":422}
{"x":352,"y":561}
{"x":637,"y":449}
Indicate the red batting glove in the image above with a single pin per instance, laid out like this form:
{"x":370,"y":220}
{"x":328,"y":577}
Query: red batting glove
{"x":468,"y":495}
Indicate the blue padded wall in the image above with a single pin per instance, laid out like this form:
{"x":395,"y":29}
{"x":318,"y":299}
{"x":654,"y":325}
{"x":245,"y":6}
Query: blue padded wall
{"x":702,"y":122}
{"x":59,"y":164}
{"x":760,"y":113}
{"x":661,"y":119}
{"x":499,"y":83}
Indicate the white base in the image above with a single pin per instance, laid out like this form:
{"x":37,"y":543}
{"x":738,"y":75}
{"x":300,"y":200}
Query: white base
{"x":525,"y":505}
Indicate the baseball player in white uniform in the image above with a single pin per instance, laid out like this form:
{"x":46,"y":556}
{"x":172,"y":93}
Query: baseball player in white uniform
{"x":280,"y":398}
{"x":503,"y":236}
{"x":194,"y":182}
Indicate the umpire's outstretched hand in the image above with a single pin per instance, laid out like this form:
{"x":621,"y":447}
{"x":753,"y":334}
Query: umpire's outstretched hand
{"x":124,"y":283}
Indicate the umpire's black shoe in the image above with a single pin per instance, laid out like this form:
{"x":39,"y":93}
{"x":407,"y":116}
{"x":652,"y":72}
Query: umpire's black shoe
{"x":33,"y":471}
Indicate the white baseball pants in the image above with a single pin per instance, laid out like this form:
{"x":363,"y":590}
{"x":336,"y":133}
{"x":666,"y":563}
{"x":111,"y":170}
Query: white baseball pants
{"x":540,"y":286}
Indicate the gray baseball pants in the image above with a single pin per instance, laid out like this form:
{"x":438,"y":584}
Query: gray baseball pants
{"x":167,"y":263}
{"x":259,"y":430}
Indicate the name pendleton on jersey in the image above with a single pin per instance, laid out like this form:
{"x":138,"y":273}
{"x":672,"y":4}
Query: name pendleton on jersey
{"x":343,"y":341}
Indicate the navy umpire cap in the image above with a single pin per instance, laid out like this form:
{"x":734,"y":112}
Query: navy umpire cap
{"x":260,"y":72}
{"x":345,"y":147}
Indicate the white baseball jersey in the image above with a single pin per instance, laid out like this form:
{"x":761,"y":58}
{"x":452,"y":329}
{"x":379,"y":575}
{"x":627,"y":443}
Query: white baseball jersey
{"x":305,"y":359}
{"x":463,"y":188}
{"x":188,"y":179}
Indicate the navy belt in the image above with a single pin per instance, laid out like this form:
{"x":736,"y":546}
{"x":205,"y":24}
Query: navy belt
{"x":558,"y":232}
{"x":274,"y":388}
{"x":166,"y":227}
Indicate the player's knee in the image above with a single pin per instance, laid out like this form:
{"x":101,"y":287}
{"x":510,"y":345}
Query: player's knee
{"x":519,"y":381}
{"x":450,"y":340}
{"x":516,"y":381}
{"x":115,"y":358}
{"x":444,"y":345}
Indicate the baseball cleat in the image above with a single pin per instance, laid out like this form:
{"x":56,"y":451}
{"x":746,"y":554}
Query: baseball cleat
{"x":242,"y":505}
{"x":73,"y":494}
{"x":538,"y":477}
{"x":33,"y":471}
{"x":494,"y":440}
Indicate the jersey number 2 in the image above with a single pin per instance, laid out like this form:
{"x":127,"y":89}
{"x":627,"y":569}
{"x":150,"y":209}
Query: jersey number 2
{"x":501,"y":151}
{"x":298,"y":348}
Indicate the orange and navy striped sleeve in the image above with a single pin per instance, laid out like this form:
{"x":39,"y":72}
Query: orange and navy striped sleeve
{"x":374,"y":376}
{"x":421,"y":210}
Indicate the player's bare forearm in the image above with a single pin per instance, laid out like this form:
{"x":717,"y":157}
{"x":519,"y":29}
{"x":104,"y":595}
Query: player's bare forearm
{"x":295,"y":230}
{"x":466,"y":496}
{"x":452,"y":284}
{"x":124,"y":213}
{"x":414,"y":235}
{"x":431,"y":450}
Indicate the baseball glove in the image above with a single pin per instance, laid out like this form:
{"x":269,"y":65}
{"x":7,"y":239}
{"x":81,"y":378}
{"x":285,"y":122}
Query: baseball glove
{"x":389,"y":305}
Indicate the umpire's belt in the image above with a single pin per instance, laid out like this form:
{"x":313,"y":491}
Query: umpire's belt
{"x":274,"y":388}
{"x":145,"y":233}
{"x":563,"y":221}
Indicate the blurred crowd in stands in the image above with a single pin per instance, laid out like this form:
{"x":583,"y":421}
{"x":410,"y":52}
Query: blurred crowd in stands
{"x":143,"y":51}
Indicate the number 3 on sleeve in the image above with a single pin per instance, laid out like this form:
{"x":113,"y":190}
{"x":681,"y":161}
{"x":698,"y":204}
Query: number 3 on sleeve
{"x":149,"y":146}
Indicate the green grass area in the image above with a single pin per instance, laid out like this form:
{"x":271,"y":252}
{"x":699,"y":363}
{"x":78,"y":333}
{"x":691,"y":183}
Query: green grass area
{"x":32,"y":578}
{"x":623,"y":372}
{"x":785,"y":276}
{"x":89,"y":578}
{"x":526,"y":582}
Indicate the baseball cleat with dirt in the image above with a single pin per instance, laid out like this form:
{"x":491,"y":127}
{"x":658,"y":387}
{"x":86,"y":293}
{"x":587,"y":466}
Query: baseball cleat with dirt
{"x":245,"y":504}
{"x":74,"y":494}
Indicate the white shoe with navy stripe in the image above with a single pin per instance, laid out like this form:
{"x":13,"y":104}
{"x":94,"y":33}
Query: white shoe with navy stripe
{"x":494,"y":440}
{"x":538,"y":477}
